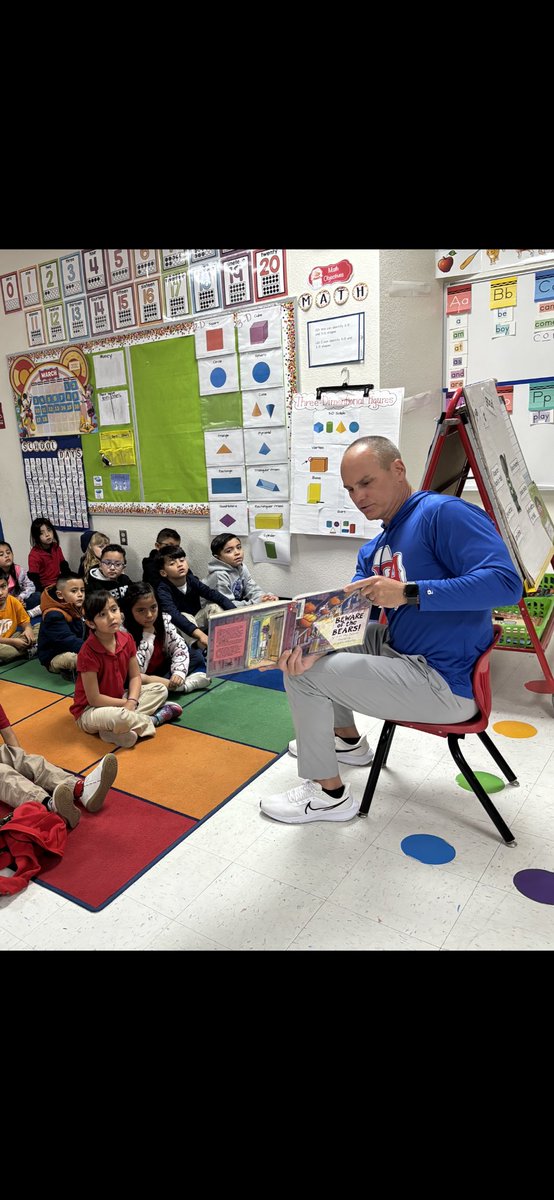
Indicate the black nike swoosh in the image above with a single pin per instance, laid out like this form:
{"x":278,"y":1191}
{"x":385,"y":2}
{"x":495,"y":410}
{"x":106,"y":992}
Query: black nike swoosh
{"x":324,"y":807}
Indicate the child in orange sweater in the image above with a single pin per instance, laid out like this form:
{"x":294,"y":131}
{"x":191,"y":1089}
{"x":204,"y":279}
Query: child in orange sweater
{"x":16,"y":635}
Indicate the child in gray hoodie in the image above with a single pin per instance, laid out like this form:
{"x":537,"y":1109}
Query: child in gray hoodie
{"x":227,"y":573}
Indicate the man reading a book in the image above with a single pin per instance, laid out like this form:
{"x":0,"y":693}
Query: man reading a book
{"x":437,"y":569}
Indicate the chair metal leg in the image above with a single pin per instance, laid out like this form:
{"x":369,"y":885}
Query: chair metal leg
{"x":499,"y":760}
{"x":381,"y":753}
{"x":456,"y":752}
{"x":389,"y":742}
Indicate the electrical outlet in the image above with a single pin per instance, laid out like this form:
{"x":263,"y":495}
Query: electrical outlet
{"x":123,"y":537}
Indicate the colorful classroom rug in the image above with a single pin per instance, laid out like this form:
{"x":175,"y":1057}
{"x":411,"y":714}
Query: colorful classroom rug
{"x":165,"y":787}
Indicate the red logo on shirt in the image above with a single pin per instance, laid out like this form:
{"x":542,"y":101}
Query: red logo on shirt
{"x":388,"y":564}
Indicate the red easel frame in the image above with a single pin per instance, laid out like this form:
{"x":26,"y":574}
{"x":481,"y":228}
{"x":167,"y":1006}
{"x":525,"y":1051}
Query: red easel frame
{"x":452,"y":418}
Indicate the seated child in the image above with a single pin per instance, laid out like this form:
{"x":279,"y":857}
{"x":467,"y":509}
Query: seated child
{"x":180,"y":594}
{"x":162,"y":655}
{"x":17,"y":637}
{"x":29,"y":777}
{"x":227,"y":572}
{"x":109,"y":574}
{"x":110,"y":698}
{"x":92,"y":544}
{"x":166,"y":537}
{"x":19,"y":584}
{"x":62,"y":629}
{"x":46,"y":560}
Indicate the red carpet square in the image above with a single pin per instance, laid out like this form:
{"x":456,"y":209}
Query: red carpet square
{"x":108,"y":850}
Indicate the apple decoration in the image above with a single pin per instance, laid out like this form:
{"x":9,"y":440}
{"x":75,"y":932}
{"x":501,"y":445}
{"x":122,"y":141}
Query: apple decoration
{"x":447,"y":262}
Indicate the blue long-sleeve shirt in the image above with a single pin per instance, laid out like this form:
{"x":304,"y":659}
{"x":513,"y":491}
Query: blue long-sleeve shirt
{"x":454,"y":552}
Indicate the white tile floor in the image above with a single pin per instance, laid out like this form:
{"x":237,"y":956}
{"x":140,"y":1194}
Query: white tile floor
{"x":243,"y":882}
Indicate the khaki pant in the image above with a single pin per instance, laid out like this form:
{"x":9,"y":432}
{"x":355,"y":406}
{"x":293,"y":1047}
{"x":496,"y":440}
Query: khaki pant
{"x":26,"y":777}
{"x":115,"y":724}
{"x":8,"y":652}
{"x":63,"y":662}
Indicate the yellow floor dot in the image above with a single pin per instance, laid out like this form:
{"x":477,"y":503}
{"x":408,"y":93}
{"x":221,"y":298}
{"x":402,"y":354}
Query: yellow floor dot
{"x":515,"y":729}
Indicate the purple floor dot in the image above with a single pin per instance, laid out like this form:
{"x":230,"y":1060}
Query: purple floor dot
{"x":536,"y":885}
{"x":427,"y":848}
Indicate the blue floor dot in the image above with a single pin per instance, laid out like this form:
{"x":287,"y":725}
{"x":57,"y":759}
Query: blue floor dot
{"x":427,"y":848}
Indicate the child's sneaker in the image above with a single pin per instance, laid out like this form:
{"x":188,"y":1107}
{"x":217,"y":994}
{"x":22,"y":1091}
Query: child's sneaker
{"x":357,"y":755}
{"x":127,"y":740}
{"x":168,"y":712}
{"x":198,"y":680}
{"x":31,"y":650}
{"x":35,"y":612}
{"x":309,"y":802}
{"x":61,"y":802}
{"x":98,"y":783}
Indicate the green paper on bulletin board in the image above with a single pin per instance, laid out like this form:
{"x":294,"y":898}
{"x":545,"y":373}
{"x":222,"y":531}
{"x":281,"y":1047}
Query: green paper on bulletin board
{"x":171,"y":418}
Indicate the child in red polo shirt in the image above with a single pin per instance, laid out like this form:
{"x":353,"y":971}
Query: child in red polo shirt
{"x":109,"y":697}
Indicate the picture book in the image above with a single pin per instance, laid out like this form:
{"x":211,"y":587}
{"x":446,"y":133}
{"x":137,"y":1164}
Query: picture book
{"x":257,"y":635}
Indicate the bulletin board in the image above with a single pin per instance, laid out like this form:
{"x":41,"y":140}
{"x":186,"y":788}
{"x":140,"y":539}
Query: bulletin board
{"x":152,"y":460}
{"x":524,"y":358}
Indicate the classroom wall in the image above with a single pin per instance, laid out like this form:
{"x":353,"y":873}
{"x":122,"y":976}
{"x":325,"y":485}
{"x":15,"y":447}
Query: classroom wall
{"x":403,"y":349}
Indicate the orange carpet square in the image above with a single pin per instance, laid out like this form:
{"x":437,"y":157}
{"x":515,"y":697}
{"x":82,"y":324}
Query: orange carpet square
{"x":187,"y":771}
{"x":54,"y":734}
{"x":19,"y":701}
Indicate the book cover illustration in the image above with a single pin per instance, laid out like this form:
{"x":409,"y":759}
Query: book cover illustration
{"x":257,"y":636}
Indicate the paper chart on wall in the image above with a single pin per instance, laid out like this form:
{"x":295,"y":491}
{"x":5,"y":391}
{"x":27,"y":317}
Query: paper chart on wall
{"x":109,"y":369}
{"x":229,"y":518}
{"x":113,"y":407}
{"x":259,"y":328}
{"x":265,"y":446}
{"x":224,"y":447}
{"x":268,"y":483}
{"x":265,"y":407}
{"x":217,"y":375}
{"x":270,"y":547}
{"x":216,"y":336}
{"x":268,"y":517}
{"x":226,"y":483}
{"x":322,"y":429}
{"x":264,"y":369}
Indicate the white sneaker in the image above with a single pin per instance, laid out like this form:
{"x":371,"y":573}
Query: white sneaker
{"x":98,"y":783}
{"x":198,"y":680}
{"x":358,"y":755}
{"x":309,"y":802}
{"x":62,"y":803}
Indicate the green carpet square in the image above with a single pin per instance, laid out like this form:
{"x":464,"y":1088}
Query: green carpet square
{"x":32,"y":673}
{"x":258,"y":717}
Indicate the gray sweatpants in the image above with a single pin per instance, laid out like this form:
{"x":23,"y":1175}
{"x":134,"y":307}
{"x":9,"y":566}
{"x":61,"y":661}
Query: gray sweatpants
{"x":372,"y":679}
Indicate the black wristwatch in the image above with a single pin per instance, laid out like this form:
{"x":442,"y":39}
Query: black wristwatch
{"x":411,"y":593}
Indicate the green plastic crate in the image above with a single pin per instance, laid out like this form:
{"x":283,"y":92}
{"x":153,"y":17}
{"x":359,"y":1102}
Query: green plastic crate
{"x":514,"y":632}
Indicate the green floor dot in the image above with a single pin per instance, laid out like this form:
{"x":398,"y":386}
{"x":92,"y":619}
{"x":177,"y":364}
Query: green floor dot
{"x":491,"y":783}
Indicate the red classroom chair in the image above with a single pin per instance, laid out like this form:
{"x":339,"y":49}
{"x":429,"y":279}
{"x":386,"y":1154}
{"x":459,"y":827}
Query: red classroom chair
{"x":454,"y":733}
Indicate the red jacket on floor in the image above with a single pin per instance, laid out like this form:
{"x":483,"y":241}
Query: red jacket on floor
{"x":28,"y":840}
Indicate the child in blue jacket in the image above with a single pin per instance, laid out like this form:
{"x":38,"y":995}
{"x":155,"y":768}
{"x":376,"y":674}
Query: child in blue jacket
{"x":62,"y":629}
{"x":180,"y":594}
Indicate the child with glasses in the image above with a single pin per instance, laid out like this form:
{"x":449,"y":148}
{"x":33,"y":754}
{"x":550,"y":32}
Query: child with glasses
{"x":109,"y":575}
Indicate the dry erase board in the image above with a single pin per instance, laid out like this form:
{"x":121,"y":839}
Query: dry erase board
{"x":526,"y":354}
